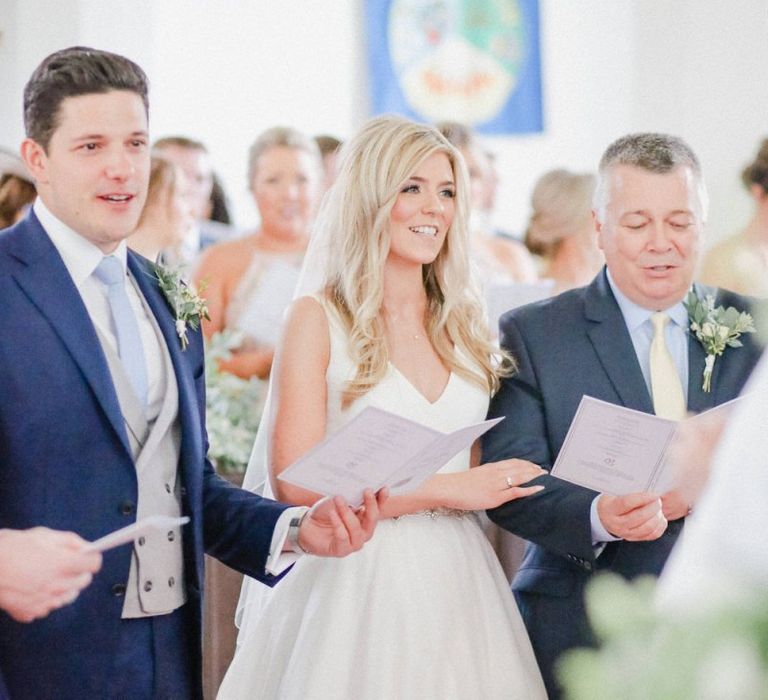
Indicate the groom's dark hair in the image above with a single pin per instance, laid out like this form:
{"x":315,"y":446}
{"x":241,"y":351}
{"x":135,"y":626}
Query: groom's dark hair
{"x":72,"y":72}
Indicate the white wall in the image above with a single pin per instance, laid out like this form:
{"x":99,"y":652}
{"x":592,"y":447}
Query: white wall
{"x":222,"y":72}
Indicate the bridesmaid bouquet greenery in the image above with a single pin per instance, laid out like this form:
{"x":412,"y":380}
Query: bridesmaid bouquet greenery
{"x":233,"y":407}
{"x":644,"y":654}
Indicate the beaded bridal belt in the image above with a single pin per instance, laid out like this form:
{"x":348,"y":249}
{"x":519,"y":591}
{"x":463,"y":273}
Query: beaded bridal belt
{"x":437,"y":513}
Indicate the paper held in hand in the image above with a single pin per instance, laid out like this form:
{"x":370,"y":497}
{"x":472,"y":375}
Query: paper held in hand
{"x":618,"y":450}
{"x":376,"y":449}
{"x":130,"y":533}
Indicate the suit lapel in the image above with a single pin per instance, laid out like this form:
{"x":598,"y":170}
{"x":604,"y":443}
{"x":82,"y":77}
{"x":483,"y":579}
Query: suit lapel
{"x":613,"y":345}
{"x":47,"y":284}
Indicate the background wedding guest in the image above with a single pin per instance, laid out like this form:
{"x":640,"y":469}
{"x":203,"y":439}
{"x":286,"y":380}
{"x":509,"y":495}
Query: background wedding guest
{"x":623,"y":339}
{"x":496,"y":256}
{"x":17,"y":190}
{"x":250,"y":281}
{"x":560,"y":230}
{"x":329,"y":151}
{"x":740,"y":262}
{"x":218,"y":204}
{"x":195,"y":162}
{"x":166,"y":216}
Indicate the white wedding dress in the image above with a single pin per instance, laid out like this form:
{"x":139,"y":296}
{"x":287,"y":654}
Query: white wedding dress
{"x":422,"y":611}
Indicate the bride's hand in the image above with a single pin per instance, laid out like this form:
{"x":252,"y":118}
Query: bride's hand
{"x":492,"y":484}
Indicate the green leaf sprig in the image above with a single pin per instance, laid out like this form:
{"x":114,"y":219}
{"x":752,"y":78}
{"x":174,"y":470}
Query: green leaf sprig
{"x":716,"y":328}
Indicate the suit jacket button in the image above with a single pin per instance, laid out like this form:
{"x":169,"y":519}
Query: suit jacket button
{"x":142,"y":541}
{"x":148,"y":586}
{"x":168,"y":488}
{"x":126,"y":508}
{"x":118,"y":590}
{"x":171,"y":536}
{"x":183,"y":490}
{"x":171,"y":582}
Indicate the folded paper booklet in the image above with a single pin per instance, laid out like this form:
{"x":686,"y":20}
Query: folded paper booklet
{"x":376,"y":449}
{"x":132,"y":532}
{"x":618,"y":450}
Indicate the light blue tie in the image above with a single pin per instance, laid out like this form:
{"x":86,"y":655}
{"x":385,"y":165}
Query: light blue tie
{"x":129,"y":347}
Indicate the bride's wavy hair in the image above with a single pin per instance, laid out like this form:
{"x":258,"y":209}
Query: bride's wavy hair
{"x":354,"y":221}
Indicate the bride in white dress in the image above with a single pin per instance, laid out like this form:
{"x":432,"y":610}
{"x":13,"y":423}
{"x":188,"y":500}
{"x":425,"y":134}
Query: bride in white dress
{"x":424,"y":610}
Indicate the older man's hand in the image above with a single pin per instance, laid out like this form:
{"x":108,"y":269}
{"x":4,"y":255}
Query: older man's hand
{"x":636,"y":517}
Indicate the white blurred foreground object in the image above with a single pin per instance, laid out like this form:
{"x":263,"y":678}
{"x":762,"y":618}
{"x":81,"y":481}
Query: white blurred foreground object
{"x":722,"y":558}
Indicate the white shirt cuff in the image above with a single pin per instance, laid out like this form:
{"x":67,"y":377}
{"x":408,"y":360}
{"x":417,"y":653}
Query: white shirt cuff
{"x":278,"y":560}
{"x":599,"y":534}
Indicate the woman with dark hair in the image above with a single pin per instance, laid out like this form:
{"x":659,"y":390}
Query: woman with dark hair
{"x":740,"y":262}
{"x":17,"y":191}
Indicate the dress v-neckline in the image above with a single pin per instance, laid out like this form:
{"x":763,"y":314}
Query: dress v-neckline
{"x":419,"y":393}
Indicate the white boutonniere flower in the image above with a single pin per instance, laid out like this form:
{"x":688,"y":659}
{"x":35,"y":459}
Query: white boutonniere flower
{"x":716,"y":328}
{"x":188,"y":308}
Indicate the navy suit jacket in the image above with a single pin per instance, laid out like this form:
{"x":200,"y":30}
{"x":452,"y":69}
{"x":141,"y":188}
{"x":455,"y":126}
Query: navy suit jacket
{"x":568,"y":346}
{"x":65,"y":463}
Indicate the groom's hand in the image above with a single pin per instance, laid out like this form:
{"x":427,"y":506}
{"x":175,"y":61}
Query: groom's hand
{"x":332,"y":529}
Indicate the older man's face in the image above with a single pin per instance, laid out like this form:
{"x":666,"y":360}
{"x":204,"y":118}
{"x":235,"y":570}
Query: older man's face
{"x":650,"y":233}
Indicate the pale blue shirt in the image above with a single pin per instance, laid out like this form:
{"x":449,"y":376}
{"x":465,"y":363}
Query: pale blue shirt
{"x":640,"y":327}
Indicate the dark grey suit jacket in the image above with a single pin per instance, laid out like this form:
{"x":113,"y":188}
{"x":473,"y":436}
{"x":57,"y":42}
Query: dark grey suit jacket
{"x":566,"y":347}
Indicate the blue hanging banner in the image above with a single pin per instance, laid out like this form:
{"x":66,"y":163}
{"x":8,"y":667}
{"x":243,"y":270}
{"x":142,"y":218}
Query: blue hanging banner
{"x":470,"y":61}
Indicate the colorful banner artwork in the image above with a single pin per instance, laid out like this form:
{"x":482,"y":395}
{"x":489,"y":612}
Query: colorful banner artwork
{"x":471,"y":61}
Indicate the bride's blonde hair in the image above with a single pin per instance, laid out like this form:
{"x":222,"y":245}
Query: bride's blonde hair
{"x":354,"y":221}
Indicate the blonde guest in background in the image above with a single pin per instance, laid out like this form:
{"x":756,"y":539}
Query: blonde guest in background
{"x":740,"y":262}
{"x":561,"y":230}
{"x":391,"y":321}
{"x":250,"y":281}
{"x":498,"y":257}
{"x":166,"y":216}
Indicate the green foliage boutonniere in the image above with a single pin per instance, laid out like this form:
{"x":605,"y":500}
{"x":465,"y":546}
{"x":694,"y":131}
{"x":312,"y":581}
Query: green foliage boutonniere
{"x":716,"y":328}
{"x":188,"y":308}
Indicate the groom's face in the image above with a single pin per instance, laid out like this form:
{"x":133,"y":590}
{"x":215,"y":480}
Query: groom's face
{"x":93,"y":176}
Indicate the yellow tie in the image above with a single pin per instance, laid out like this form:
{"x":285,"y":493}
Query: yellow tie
{"x":668,"y":396}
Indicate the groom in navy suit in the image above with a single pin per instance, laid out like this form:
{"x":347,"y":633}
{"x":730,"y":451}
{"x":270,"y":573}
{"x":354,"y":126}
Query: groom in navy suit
{"x":601,"y":340}
{"x":102,"y":418}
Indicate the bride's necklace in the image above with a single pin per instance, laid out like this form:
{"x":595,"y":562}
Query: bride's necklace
{"x":401,"y":328}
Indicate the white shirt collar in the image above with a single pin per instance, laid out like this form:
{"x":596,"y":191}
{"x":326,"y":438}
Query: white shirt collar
{"x":80,"y":256}
{"x":635,"y":315}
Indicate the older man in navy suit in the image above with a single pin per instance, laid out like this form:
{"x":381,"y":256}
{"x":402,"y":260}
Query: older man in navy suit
{"x":102,"y":419}
{"x":623,"y":339}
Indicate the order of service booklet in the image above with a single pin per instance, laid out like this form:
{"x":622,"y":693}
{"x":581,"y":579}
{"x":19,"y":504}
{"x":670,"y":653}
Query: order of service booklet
{"x":618,"y":450}
{"x":376,"y":449}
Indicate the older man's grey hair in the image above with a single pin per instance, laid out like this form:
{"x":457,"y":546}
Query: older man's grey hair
{"x":656,"y":153}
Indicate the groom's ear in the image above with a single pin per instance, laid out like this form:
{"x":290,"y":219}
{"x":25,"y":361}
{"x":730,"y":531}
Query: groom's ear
{"x":36,"y":160}
{"x":598,"y":228}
